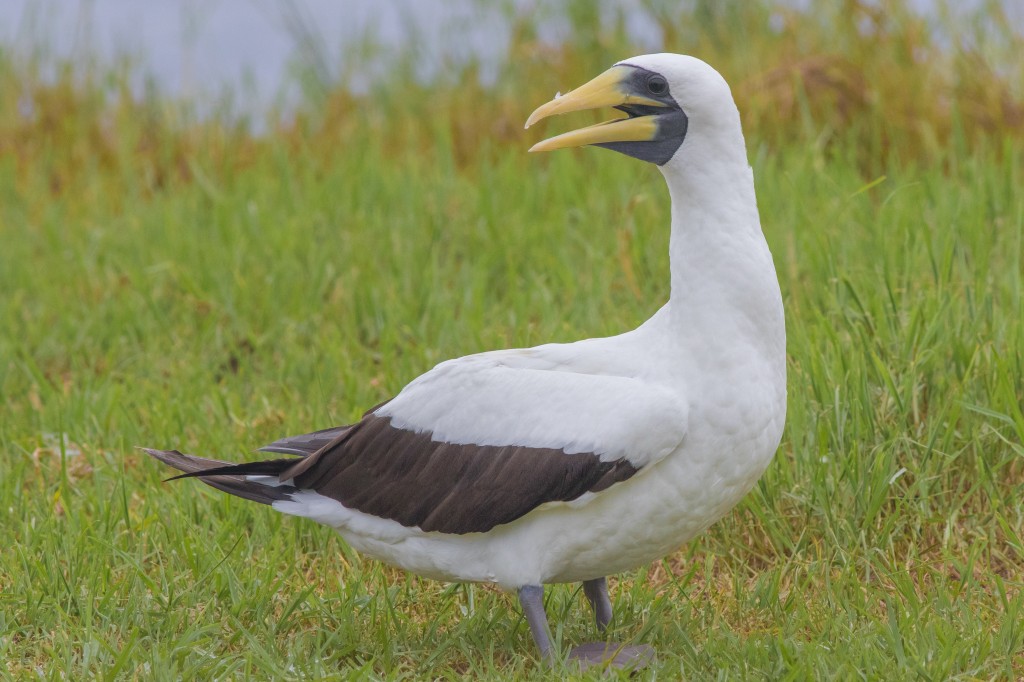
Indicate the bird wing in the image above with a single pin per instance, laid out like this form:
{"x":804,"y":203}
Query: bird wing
{"x":482,"y":440}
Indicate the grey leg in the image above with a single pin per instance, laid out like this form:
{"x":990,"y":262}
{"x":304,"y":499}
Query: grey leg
{"x":607,"y":654}
{"x":597,"y":594}
{"x":531,"y":597}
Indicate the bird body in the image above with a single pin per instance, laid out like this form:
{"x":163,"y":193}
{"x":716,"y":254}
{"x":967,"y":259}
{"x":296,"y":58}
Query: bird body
{"x":699,"y":470}
{"x":571,"y":462}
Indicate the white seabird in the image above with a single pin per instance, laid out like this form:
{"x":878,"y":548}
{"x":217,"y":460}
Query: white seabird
{"x":572,"y":462}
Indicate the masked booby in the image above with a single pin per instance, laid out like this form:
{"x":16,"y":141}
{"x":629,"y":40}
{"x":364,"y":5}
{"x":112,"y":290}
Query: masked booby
{"x":571,"y":462}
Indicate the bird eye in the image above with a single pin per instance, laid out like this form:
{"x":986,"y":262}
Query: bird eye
{"x":657,"y":85}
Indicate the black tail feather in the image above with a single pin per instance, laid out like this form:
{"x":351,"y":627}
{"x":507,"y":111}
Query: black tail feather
{"x":231,"y":478}
{"x":270,"y":467}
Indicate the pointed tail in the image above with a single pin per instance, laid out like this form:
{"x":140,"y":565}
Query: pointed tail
{"x":256,"y":481}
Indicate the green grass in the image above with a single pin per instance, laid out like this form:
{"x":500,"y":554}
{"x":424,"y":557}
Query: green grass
{"x":883,"y":542}
{"x":213,"y":297}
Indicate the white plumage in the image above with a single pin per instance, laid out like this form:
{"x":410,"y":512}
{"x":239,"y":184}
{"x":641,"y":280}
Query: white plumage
{"x":694,"y":399}
{"x":697,"y":393}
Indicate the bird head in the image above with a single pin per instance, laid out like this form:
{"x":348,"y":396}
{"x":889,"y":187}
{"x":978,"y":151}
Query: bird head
{"x":665,"y":98}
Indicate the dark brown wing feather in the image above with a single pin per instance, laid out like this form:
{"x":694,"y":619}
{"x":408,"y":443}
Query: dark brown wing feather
{"x":409,"y":478}
{"x":307,"y":443}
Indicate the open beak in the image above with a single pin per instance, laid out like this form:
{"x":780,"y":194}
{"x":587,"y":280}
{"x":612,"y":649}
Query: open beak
{"x":610,"y":89}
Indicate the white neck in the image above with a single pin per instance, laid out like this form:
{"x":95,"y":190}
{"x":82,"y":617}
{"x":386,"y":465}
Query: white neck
{"x":723,"y":278}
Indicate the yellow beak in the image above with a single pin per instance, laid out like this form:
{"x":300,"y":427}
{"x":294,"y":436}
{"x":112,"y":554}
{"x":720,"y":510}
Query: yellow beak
{"x":610,"y":89}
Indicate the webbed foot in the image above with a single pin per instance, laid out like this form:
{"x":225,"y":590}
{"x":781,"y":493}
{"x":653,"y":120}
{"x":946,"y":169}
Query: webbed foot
{"x":612,"y":655}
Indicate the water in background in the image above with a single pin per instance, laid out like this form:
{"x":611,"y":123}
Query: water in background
{"x":259,"y":49}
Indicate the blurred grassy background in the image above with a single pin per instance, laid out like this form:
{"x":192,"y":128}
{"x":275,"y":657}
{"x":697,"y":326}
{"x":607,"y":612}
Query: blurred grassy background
{"x":174,"y":280}
{"x":871,"y":76}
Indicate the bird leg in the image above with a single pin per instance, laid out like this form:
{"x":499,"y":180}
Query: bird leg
{"x":597,"y":594}
{"x":607,"y":653}
{"x":531,"y":597}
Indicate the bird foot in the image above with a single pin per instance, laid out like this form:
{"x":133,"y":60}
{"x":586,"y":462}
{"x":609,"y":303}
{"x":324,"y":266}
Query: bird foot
{"x":612,"y":655}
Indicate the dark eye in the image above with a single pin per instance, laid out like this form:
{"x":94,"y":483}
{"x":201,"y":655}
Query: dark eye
{"x":656,"y":85}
